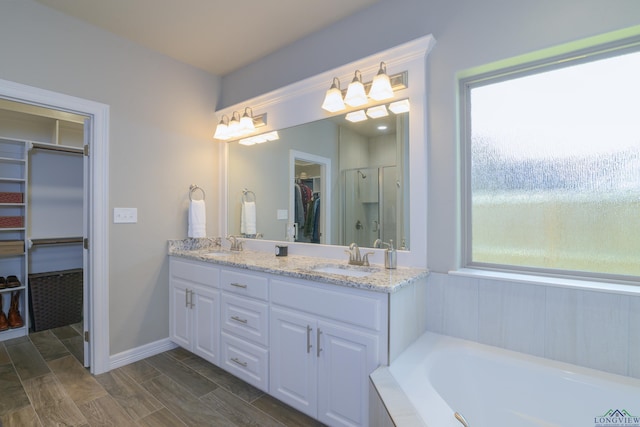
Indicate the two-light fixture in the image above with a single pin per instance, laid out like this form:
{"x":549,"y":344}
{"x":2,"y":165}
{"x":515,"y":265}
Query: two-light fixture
{"x":239,"y":125}
{"x":380,"y":89}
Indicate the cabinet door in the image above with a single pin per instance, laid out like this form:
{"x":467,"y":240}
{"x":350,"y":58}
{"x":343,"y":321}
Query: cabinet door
{"x":179,"y":313}
{"x":293,"y":360}
{"x":205,"y":308}
{"x":347,"y":357}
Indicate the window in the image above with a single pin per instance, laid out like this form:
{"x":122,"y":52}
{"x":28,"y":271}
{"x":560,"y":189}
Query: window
{"x":552,"y":167}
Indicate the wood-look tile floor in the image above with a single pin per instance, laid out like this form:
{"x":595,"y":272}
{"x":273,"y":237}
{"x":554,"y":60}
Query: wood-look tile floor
{"x":43,"y":383}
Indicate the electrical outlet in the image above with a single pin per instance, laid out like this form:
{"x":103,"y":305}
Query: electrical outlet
{"x":125,"y":215}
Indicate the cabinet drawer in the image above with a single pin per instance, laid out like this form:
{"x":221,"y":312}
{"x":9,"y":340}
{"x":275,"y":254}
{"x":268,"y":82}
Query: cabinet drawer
{"x":360,"y":308}
{"x":250,"y":285}
{"x":194,"y":271}
{"x":246,"y":361}
{"x":246,"y":318}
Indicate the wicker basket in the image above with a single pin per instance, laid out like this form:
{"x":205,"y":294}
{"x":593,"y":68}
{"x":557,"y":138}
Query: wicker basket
{"x":55,"y":299}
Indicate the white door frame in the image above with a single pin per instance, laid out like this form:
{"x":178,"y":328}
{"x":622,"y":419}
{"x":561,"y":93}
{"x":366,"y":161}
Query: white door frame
{"x":98,"y":206}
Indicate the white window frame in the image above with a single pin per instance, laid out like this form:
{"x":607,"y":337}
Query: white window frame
{"x":496,"y":75}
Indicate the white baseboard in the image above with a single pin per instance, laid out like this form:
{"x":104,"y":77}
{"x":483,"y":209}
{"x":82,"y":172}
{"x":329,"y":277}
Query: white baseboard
{"x":139,"y":353}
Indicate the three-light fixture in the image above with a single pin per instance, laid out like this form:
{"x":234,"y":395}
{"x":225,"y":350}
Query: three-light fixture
{"x":380,"y":89}
{"x":239,"y":125}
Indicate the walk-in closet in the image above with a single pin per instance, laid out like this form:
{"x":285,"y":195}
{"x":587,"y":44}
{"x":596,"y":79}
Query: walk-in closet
{"x":41,"y":219}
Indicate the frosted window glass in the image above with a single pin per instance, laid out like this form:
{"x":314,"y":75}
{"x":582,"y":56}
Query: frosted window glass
{"x":555,"y":169}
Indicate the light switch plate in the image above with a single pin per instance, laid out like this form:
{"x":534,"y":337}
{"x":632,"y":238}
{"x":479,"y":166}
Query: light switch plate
{"x":282,"y":214}
{"x":125,"y":215}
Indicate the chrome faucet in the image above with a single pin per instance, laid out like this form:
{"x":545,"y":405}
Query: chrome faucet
{"x":355,"y":258}
{"x":236,"y":244}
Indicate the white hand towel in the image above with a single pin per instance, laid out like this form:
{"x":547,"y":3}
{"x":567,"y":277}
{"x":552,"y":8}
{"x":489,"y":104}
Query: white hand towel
{"x":197,"y":219}
{"x":248,"y":218}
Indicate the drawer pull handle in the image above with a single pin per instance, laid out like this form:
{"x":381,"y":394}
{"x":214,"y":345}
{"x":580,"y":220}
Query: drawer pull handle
{"x":238,"y":319}
{"x":309,"y":346}
{"x":239,"y":285}
{"x":318,"y":348}
{"x":239,"y":362}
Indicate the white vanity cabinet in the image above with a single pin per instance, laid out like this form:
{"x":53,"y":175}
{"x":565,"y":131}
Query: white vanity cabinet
{"x":195,"y":307}
{"x":325,"y":341}
{"x":245,"y":326}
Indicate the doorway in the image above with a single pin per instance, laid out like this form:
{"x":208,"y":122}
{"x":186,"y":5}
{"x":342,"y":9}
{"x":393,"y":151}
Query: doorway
{"x":95,"y":213}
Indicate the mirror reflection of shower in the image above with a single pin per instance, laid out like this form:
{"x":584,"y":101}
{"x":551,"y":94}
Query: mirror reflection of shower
{"x":370,"y":200}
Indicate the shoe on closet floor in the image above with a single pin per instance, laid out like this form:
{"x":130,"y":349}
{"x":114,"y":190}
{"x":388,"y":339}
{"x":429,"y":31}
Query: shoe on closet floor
{"x":14,"y":318}
{"x":4,"y":323}
{"x":13,"y":282}
{"x":3,"y":283}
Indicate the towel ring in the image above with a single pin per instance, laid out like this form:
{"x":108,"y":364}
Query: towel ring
{"x":192,"y":189}
{"x":247,"y":194}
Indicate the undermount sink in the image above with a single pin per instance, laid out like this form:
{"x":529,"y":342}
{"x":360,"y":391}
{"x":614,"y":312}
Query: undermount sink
{"x":344,"y":270}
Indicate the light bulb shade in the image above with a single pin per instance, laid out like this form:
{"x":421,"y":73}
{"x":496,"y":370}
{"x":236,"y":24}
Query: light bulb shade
{"x":399,"y":107}
{"x":381,"y":88}
{"x":333,"y":98}
{"x":378,"y":111}
{"x":356,"y":116}
{"x":381,"y":85}
{"x":222,"y":130}
{"x":246,"y":122}
{"x":234,"y":126}
{"x":356,"y":95}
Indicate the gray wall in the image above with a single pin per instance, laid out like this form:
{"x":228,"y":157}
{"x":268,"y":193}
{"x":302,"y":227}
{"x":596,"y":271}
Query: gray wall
{"x":468,"y":33}
{"x":597,"y":328}
{"x":161,"y":127}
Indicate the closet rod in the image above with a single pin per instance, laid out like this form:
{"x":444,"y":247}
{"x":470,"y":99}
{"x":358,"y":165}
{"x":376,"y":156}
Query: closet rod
{"x":52,"y":147}
{"x":56,"y":241}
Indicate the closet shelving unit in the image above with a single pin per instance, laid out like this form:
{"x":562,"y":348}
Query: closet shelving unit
{"x":24,"y":128}
{"x":13,"y":235}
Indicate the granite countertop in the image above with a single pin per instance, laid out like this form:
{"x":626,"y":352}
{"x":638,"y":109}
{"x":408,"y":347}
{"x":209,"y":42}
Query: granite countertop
{"x":379,"y":278}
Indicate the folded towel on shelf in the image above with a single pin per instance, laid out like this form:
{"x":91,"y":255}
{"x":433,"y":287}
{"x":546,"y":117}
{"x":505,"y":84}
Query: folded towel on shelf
{"x":197,"y":219}
{"x":248,"y":218}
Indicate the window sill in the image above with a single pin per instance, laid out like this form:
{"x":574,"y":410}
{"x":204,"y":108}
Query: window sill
{"x":561,"y":282}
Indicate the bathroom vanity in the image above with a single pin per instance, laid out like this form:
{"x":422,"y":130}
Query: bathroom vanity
{"x":306,"y":330}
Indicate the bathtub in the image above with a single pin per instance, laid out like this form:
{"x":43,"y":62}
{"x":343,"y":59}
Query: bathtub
{"x":439,"y":376}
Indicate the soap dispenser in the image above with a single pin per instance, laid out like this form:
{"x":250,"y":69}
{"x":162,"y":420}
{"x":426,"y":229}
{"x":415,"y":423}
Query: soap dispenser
{"x":390,"y":256}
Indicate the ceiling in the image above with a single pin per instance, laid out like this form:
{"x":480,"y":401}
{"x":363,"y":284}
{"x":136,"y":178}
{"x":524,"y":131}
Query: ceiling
{"x":214,"y":35}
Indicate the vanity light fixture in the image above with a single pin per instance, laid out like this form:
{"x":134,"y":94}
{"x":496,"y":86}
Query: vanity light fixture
{"x":356,"y":116}
{"x":356,"y":95}
{"x":333,"y":98}
{"x":222,"y":130}
{"x":377,"y":111}
{"x":381,"y":86}
{"x":399,"y":107}
{"x":239,"y":126}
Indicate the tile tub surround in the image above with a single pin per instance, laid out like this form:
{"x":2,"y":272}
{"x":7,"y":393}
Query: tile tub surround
{"x":592,"y":328}
{"x":297,"y":266}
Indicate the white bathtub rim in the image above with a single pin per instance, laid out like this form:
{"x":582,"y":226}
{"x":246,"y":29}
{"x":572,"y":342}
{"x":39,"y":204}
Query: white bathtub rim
{"x":396,"y":402}
{"x":403,"y":371}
